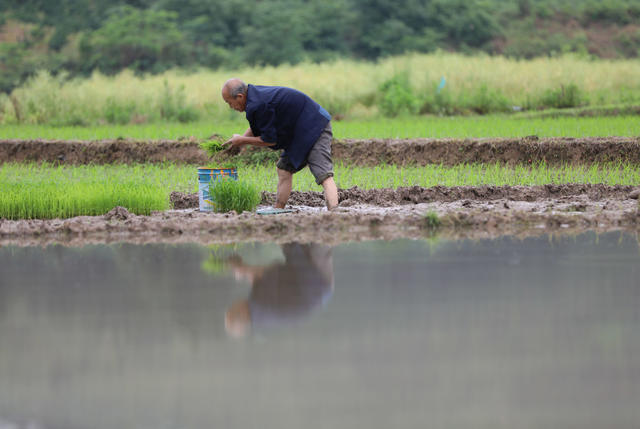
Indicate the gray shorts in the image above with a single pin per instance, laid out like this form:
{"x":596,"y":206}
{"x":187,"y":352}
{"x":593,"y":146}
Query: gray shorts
{"x":319,"y":158}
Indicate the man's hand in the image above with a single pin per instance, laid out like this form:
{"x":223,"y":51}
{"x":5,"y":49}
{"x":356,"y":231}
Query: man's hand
{"x":234,"y":144}
{"x":236,"y":141}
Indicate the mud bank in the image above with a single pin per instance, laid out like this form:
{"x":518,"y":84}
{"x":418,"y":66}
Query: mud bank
{"x":509,"y":151}
{"x":101,"y":152}
{"x":463,"y":218}
{"x":417,"y":194}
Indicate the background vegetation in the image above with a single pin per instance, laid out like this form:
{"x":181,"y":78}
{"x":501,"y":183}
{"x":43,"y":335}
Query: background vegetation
{"x":79,"y":37}
{"x":438,"y":83}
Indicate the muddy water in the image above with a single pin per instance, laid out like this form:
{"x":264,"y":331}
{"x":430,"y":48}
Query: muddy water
{"x":504,"y":333}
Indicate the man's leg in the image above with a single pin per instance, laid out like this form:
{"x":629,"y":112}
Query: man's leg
{"x":330,"y":193}
{"x":285,"y":179}
{"x":321,"y":166}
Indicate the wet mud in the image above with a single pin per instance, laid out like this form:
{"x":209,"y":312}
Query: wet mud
{"x":417,"y":194}
{"x":508,"y":151}
{"x":460,"y":212}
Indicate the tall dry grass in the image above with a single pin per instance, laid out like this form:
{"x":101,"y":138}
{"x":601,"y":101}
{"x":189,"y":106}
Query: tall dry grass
{"x":346,"y":87}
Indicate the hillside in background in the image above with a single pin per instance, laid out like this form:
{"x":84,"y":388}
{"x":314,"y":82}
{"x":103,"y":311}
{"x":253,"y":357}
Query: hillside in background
{"x":151,"y":36}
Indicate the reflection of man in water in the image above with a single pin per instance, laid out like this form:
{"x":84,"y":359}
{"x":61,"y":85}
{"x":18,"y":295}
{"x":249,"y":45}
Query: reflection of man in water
{"x":282,"y":293}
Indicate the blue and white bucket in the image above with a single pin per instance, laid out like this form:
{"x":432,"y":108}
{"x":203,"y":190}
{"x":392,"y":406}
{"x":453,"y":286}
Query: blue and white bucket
{"x":208,"y":177}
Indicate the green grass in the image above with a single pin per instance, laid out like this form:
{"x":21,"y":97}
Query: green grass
{"x":390,"y":176}
{"x":238,"y":195}
{"x":403,"y":127}
{"x":44,"y":191}
{"x":32,"y":191}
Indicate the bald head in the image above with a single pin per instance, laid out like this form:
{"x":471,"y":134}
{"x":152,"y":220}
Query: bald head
{"x":234,"y":93}
{"x":234,"y":87}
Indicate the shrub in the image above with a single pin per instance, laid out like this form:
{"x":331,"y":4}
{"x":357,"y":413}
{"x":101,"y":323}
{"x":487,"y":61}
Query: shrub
{"x":235,"y":195}
{"x":485,"y":100}
{"x":438,"y":101}
{"x":118,"y":113}
{"x":563,"y":97}
{"x":397,"y":96}
{"x":173,"y":106}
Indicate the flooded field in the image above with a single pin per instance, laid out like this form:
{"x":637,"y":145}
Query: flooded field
{"x":495,"y":333}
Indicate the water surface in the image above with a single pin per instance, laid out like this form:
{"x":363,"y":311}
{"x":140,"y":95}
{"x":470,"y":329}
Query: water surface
{"x":503,"y":333}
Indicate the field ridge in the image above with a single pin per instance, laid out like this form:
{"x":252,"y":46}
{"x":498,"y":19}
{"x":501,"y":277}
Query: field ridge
{"x":362,"y":152}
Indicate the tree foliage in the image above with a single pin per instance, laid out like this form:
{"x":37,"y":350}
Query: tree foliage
{"x":80,"y":36}
{"x":144,"y":40}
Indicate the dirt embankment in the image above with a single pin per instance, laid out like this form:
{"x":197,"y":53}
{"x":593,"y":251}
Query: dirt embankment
{"x":513,"y":151}
{"x":361,"y":215}
{"x":101,"y":152}
{"x":417,"y":194}
{"x":526,"y":150}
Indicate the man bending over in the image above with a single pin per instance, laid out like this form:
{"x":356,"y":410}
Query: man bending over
{"x":286,"y":119}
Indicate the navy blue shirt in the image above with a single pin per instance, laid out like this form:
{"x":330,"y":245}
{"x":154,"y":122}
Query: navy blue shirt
{"x":286,"y":117}
{"x":289,"y":292}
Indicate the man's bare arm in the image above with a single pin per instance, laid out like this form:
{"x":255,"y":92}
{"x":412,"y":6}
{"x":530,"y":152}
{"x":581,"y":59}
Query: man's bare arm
{"x":237,"y":140}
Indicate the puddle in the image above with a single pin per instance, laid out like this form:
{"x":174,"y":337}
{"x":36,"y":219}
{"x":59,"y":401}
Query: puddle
{"x":502,"y":333}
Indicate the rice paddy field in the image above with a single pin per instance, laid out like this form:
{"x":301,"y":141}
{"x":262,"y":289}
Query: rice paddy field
{"x":476,"y":268}
{"x":47,"y":191}
{"x":403,"y":127}
{"x":604,"y":97}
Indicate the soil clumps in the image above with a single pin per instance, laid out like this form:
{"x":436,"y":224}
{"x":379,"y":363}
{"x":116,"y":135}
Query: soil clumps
{"x":417,"y":194}
{"x":403,"y":213}
{"x":367,"y":152}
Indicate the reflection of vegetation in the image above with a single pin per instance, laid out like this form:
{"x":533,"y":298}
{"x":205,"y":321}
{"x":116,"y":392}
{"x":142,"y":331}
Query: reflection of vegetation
{"x":213,"y":264}
{"x":220,"y":255}
{"x":431,"y":220}
{"x":216,"y":262}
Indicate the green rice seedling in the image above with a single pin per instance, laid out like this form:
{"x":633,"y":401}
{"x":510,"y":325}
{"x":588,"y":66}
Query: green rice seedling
{"x":237,"y":195}
{"x":48,"y":200}
{"x":432,"y":220}
{"x":212,"y":146}
{"x":400,"y":127}
{"x":45,"y":191}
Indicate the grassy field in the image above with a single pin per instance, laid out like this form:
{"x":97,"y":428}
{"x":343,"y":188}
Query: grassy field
{"x":403,"y":127}
{"x":347,"y":87}
{"x":45,"y":191}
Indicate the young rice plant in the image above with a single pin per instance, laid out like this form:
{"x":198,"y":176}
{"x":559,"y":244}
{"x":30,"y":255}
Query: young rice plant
{"x":44,"y":191}
{"x":237,"y":195}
